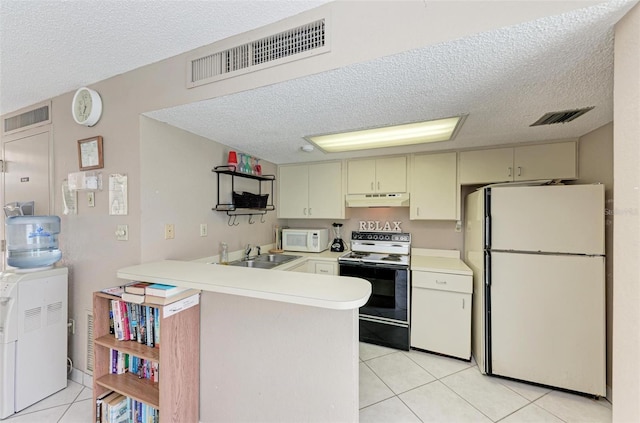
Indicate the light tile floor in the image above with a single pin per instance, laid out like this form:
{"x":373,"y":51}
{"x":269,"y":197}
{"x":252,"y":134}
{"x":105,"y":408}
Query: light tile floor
{"x":398,"y":386}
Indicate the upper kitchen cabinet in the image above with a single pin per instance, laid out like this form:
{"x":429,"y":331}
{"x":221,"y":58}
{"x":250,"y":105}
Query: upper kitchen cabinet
{"x":385,"y":175}
{"x":435,"y":192}
{"x":526,"y":163}
{"x":310,"y":191}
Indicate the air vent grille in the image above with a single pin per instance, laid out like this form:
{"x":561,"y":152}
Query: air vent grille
{"x":283,"y":46}
{"x":26,"y":119}
{"x":89,"y":366}
{"x":560,"y":117}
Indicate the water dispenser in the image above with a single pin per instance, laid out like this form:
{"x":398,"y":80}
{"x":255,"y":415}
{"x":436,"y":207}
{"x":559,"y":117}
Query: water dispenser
{"x":32,"y":241}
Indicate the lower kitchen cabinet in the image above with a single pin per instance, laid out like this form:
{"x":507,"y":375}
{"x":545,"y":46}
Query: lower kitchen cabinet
{"x":441,"y":313}
{"x":323,"y":267}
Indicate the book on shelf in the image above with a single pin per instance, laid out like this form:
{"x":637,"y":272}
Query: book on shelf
{"x":116,"y":291}
{"x":133,"y":298}
{"x":162,"y":290}
{"x":152,"y":299}
{"x":136,"y":287}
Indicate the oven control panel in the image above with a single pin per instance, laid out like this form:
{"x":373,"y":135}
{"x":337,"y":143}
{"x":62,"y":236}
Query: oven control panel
{"x":381,"y":236}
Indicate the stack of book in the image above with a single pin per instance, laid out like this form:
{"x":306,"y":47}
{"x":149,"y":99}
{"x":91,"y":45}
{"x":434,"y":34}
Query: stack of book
{"x":156,"y":293}
{"x":112,"y":407}
{"x":126,"y":363}
{"x":135,"y":322}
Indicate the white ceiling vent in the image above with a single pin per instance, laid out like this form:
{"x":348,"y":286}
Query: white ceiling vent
{"x":560,"y":117}
{"x":302,"y":41}
{"x":22,"y":121}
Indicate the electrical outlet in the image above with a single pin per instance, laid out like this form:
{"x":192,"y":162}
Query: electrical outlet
{"x":203,"y":229}
{"x":122,"y":232}
{"x":459,"y":226}
{"x":169,"y":231}
{"x":91,"y":199}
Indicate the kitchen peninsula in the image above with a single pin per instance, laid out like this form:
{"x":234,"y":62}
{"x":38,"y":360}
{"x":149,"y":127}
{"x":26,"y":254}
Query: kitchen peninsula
{"x":274,"y":345}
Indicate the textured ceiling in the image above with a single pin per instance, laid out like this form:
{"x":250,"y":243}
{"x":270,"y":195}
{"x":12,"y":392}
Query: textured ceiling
{"x":50,"y":47}
{"x":503,"y":79}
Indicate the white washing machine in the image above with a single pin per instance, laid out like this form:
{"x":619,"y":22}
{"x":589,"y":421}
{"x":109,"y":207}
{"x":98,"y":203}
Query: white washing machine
{"x":33,"y":337}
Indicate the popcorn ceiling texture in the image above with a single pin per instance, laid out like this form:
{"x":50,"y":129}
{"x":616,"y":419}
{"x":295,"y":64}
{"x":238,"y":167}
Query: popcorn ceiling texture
{"x":503,"y":79}
{"x":63,"y":45}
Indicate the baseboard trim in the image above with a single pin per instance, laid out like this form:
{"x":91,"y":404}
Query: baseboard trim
{"x":78,"y":376}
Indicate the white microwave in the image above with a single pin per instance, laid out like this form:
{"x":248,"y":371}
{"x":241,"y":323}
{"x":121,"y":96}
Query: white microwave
{"x":305,"y":240}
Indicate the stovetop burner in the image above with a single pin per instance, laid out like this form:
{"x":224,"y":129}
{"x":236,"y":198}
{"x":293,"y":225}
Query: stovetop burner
{"x":392,"y":257}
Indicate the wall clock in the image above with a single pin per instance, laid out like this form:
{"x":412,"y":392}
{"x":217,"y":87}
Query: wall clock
{"x":86,"y":107}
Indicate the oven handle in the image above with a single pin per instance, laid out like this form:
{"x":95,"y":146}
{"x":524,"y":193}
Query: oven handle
{"x":363,"y":264}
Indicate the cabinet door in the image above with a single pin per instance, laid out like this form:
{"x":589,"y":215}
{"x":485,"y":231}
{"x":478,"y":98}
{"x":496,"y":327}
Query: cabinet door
{"x":486,"y":166}
{"x":391,"y":175}
{"x":326,"y":198}
{"x":361,"y":176}
{"x":323,"y":267}
{"x":293,"y":191}
{"x":547,"y":161}
{"x":441,"y":322}
{"x":434,"y":187}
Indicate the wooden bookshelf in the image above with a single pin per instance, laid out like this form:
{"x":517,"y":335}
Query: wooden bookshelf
{"x":177,"y":393}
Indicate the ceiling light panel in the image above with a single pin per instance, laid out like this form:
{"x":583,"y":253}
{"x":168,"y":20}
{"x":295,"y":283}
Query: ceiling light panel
{"x":389,"y":136}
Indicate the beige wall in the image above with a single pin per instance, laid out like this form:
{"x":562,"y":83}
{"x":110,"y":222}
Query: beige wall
{"x":626,"y":289}
{"x":595,"y":164}
{"x":178,"y":186}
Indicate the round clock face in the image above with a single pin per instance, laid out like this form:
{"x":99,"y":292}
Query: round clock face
{"x":86,"y":107}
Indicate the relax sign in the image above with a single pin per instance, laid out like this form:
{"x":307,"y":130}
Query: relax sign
{"x":376,"y":225}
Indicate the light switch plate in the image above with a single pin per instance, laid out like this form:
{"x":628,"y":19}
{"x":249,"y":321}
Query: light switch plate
{"x":122,"y":232}
{"x":203,"y":229}
{"x":91,"y":199}
{"x":169,"y":231}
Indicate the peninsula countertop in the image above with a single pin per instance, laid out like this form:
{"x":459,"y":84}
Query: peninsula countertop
{"x":330,"y":292}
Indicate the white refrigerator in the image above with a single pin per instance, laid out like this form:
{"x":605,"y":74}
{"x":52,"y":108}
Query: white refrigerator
{"x":537,"y":253}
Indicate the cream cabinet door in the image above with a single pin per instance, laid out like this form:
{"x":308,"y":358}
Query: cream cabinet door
{"x":293,"y":191}
{"x":326,"y":198}
{"x":361,"y":176}
{"x":391,"y":175}
{"x":441,"y":322}
{"x":434,"y":187}
{"x":323,"y":267}
{"x":486,"y":166}
{"x":546,"y":161}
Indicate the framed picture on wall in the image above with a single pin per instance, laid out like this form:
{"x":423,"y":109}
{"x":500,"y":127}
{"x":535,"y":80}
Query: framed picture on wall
{"x":90,"y":153}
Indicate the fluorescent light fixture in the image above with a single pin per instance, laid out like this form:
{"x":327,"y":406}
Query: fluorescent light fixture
{"x":389,"y":136}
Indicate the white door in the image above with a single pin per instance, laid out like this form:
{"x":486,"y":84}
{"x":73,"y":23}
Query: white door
{"x":28,"y":171}
{"x":434,"y":187}
{"x":326,"y":200}
{"x":555,"y":219}
{"x":391,"y":175}
{"x":293,"y":191}
{"x":361,"y":176}
{"x":548,"y":320}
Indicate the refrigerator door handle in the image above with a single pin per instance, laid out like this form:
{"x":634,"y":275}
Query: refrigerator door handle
{"x":487,"y":312}
{"x":487,"y":218}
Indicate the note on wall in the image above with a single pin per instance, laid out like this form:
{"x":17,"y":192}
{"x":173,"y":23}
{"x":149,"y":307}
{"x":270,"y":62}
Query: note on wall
{"x":118,"y":194}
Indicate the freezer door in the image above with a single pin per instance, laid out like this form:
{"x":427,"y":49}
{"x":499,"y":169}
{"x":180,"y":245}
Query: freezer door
{"x":548,"y":320}
{"x":555,"y":219}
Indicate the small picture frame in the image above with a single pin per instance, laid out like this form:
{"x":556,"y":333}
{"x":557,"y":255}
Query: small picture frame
{"x":90,"y":153}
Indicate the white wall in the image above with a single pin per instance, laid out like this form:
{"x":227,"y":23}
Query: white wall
{"x":626,"y":289}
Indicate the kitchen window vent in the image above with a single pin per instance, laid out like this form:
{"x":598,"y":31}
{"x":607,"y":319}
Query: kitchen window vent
{"x":302,"y":41}
{"x":560,"y":117}
{"x":26,"y":120}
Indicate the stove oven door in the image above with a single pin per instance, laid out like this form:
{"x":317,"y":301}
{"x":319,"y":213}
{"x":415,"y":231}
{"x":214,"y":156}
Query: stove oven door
{"x":384,"y":319}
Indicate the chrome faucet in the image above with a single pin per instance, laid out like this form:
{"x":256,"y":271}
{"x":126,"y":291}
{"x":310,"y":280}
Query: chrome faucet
{"x":247,"y":252}
{"x":258,"y":249}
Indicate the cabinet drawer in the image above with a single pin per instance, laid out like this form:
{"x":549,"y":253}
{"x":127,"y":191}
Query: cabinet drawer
{"x":325,"y":268}
{"x":443,"y":281}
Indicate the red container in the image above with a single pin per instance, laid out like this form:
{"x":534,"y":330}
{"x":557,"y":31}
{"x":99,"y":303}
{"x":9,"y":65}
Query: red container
{"x":233,"y":160}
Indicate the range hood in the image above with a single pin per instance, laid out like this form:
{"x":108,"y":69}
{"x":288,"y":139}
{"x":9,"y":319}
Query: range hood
{"x":378,"y":200}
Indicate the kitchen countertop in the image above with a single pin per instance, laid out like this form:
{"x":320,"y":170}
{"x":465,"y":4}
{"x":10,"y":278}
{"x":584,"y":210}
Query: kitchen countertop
{"x":440,"y":265}
{"x":324,"y":291}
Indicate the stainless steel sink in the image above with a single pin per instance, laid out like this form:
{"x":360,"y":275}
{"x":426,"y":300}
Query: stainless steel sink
{"x":264,"y":261}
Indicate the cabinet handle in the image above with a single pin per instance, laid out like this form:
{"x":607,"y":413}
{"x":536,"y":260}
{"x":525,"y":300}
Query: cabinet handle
{"x":519,"y":170}
{"x":324,"y":271}
{"x":378,"y":186}
{"x":304,"y":211}
{"x":371,"y":186}
{"x":510,"y":171}
{"x":441,"y":282}
{"x":463,"y":303}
